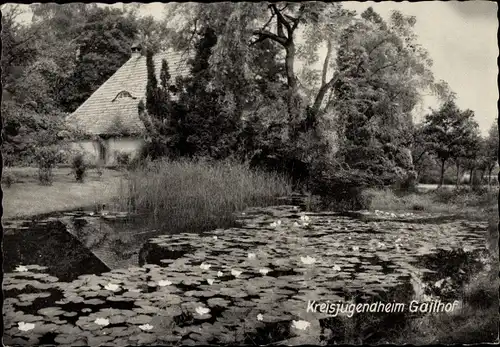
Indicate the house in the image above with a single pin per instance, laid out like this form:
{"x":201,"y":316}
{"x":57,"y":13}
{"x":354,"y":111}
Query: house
{"x":109,"y":119}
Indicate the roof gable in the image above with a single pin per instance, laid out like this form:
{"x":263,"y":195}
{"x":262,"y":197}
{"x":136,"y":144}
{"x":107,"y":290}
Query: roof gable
{"x":111,"y":100}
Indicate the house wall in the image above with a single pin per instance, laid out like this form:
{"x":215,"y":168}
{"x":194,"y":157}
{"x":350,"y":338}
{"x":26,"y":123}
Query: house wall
{"x":92,"y":149}
{"x":89,"y":148}
{"x":129,"y":145}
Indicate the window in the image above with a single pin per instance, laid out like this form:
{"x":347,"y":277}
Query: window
{"x":123,"y":94}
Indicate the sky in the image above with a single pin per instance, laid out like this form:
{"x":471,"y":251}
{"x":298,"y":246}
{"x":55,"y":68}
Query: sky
{"x":461,"y":38}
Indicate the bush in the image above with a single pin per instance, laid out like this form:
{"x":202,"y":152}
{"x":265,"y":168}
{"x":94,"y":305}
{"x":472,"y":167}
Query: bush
{"x":198,"y":195}
{"x":79,"y":167}
{"x":8,"y":179}
{"x":123,"y":159}
{"x":47,"y":157}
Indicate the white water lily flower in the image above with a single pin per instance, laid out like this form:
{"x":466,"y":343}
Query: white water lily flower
{"x":304,"y":218}
{"x":355,"y":248}
{"x":204,"y":266}
{"x":295,"y":224}
{"x":25,"y":326}
{"x":111,"y":286}
{"x":336,"y":268}
{"x":236,"y":273}
{"x":146,"y":327}
{"x":251,"y":256}
{"x":202,"y":310}
{"x":273,"y":225}
{"x":164,"y":283}
{"x":102,"y":321}
{"x":21,"y":268}
{"x":305,"y":224}
{"x":278,"y":222}
{"x":214,"y":237}
{"x":220,"y":274}
{"x":381,"y":244}
{"x":210,"y":281}
{"x":260,"y":317}
{"x":308,"y":260}
{"x":301,"y":324}
{"x":264,"y":271}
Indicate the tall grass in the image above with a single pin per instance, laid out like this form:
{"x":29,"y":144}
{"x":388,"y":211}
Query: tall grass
{"x":194,"y":195}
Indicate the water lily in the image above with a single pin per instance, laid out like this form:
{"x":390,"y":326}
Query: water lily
{"x":102,"y":321}
{"x":336,"y":268}
{"x":300,"y":324}
{"x":304,"y":218}
{"x":264,"y":271}
{"x":308,"y":260}
{"x":260,"y":317}
{"x":236,"y":273}
{"x":210,"y":281}
{"x":25,"y":326}
{"x":202,"y":310}
{"x":214,"y":237}
{"x":380,"y":244}
{"x":274,"y":225}
{"x":164,"y":283}
{"x":21,"y":268}
{"x":295,"y":224}
{"x":305,"y":224}
{"x":111,"y":286}
{"x":219,"y":274}
{"x":251,"y":256}
{"x":146,"y":327}
{"x":91,"y":213}
{"x":204,"y":266}
{"x":355,"y":248}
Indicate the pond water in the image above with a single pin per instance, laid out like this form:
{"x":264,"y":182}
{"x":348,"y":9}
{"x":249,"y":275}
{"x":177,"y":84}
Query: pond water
{"x":81,"y":279}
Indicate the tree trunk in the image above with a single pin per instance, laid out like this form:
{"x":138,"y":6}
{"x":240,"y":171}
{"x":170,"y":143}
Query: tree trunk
{"x":458,"y":175}
{"x":289,"y":68}
{"x":291,"y":80}
{"x":489,"y":177}
{"x":471,"y":179}
{"x":441,"y":180}
{"x":326,"y":61}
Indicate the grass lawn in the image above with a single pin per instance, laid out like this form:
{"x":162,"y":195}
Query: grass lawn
{"x":26,"y":197}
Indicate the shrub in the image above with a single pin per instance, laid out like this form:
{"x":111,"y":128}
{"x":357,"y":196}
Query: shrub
{"x":79,"y":167}
{"x":123,"y":159}
{"x":47,"y":157}
{"x":8,"y":179}
{"x":198,"y":195}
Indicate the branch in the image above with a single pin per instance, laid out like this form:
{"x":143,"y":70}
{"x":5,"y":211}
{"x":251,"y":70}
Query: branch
{"x":282,"y":20}
{"x":382,"y":67}
{"x":265,"y":34}
{"x":322,"y":91}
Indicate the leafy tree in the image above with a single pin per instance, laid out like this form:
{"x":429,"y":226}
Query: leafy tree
{"x":489,"y":151}
{"x":448,"y":131}
{"x":103,"y":42}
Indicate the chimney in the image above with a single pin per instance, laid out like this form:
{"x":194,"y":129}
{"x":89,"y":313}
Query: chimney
{"x":135,"y":50}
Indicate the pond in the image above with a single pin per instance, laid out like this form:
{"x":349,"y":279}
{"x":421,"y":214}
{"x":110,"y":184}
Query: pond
{"x":81,"y":279}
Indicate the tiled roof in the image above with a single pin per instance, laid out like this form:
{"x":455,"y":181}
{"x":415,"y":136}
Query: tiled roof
{"x":99,"y":113}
